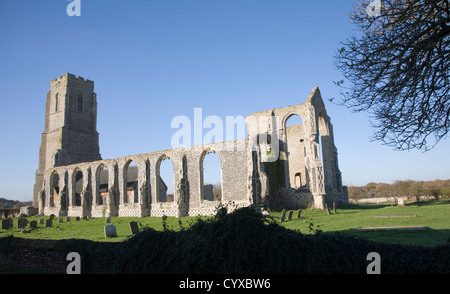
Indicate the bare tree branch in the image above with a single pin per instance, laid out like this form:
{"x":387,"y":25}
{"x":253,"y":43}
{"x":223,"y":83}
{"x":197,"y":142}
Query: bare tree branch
{"x":398,"y":68}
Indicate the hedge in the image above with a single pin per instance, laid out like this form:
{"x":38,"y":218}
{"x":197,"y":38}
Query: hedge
{"x":247,"y":242}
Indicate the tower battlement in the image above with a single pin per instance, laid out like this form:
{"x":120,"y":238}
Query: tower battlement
{"x":72,"y":77}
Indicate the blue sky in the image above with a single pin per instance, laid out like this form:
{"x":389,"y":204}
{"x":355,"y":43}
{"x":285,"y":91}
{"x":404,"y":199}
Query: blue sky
{"x":153,"y":60}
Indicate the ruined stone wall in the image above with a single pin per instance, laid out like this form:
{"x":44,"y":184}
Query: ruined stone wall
{"x":188,"y":198}
{"x":289,"y":167}
{"x":307,"y":149}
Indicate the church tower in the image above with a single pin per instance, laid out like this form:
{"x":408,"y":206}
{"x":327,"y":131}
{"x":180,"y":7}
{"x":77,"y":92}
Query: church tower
{"x":70,"y":134}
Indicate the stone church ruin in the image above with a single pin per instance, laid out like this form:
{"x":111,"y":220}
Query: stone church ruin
{"x":276,"y":164}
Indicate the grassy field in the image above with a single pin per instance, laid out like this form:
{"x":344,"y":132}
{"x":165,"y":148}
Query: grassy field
{"x":92,"y":229}
{"x":435,"y":217}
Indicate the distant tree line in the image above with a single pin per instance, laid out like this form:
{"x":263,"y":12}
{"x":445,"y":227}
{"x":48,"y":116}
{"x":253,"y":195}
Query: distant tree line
{"x":436,"y":188}
{"x":5,"y":203}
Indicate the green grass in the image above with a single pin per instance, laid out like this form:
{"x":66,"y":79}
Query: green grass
{"x":434,"y":216}
{"x":92,"y":229}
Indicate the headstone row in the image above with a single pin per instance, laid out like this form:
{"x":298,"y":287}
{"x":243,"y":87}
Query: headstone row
{"x":22,"y":223}
{"x":289,"y":217}
{"x":111,"y":231}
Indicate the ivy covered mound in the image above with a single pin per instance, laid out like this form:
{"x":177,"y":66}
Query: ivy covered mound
{"x":248,"y":242}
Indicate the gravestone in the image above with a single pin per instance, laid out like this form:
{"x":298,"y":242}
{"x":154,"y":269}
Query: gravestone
{"x":22,"y":223}
{"x":60,"y":220}
{"x":283,"y":215}
{"x":77,"y":218}
{"x":299,"y":212}
{"x":290,"y":215}
{"x":5,"y":224}
{"x":108,"y":220}
{"x":67,"y":219}
{"x":48,"y":223}
{"x":33,"y":224}
{"x":400,"y":202}
{"x":41,"y":221}
{"x":110,"y":231}
{"x":134,"y":228}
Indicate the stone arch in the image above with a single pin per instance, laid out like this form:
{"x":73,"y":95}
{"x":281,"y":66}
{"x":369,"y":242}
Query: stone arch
{"x":130,"y":182}
{"x":164,"y":192}
{"x":295,"y":136}
{"x":289,"y":115}
{"x":102,"y":184}
{"x":210,"y":191}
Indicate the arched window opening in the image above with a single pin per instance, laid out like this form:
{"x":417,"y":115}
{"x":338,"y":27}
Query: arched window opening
{"x":80,"y":103}
{"x":54,"y":190}
{"x":131,"y":183}
{"x":298,"y":180}
{"x":211,"y":177}
{"x":295,"y":152}
{"x":103,"y":185}
{"x":165,"y":178}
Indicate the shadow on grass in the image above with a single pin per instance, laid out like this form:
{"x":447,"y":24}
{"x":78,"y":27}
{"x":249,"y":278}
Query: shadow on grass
{"x":427,"y":237}
{"x":428,"y":202}
{"x":341,"y":206}
{"x":351,"y":206}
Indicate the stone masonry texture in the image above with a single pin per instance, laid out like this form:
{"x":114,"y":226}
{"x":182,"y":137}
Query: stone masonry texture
{"x":289,"y":167}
